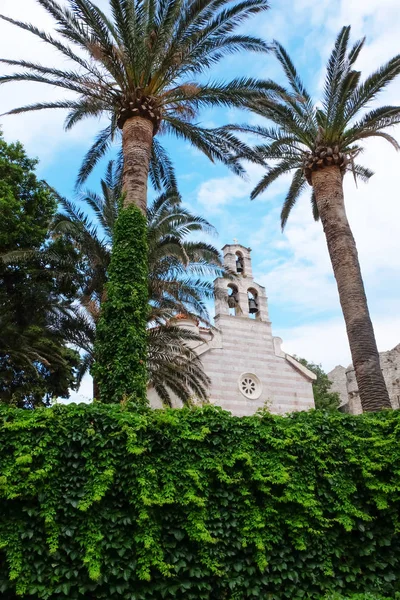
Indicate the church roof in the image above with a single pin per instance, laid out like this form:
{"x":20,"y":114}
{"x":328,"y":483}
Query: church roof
{"x":236,"y":246}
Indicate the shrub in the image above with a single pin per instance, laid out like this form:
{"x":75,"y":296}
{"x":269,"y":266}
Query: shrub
{"x":104,"y":502}
{"x":360,"y":597}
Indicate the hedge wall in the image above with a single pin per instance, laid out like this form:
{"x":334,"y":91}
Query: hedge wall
{"x":102,"y":502}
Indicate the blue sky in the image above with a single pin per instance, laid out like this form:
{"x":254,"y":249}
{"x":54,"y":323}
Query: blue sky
{"x":294,"y":266}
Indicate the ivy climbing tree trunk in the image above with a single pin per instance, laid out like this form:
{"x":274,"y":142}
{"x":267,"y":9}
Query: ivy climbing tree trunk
{"x":121,"y":336}
{"x":328,"y":188}
{"x":96,"y":391}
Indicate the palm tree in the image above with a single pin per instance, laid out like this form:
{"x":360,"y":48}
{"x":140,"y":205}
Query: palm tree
{"x":136,"y":64}
{"x":318,"y":145}
{"x":177,"y":283}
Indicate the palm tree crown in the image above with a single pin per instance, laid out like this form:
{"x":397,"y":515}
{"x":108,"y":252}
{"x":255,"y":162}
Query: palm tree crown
{"x":308,"y":136}
{"x":138,"y":60}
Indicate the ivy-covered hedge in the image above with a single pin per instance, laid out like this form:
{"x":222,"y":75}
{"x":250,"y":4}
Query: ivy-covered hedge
{"x":121,"y":335}
{"x":102,"y":502}
{"x":360,"y":597}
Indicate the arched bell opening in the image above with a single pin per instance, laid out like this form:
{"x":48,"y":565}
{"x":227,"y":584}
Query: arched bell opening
{"x":239,"y":263}
{"x":253,"y":303}
{"x":233,"y":299}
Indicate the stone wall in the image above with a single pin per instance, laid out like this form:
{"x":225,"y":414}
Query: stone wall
{"x":390,"y":363}
{"x":339,"y":383}
{"x":344,"y":382}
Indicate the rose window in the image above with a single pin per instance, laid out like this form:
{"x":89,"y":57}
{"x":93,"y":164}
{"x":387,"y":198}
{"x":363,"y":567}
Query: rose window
{"x":250,"y":386}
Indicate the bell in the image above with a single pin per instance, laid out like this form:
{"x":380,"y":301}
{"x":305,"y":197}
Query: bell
{"x":232,"y":301}
{"x":253,"y":308}
{"x":239,"y":265}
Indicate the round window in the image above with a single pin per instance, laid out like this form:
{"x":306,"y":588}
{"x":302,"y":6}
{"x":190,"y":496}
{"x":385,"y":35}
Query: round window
{"x":250,"y":386}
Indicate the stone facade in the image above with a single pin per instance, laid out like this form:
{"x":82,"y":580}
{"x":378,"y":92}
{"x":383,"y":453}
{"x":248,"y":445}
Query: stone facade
{"x":344,"y":382}
{"x":339,"y":383}
{"x":247,"y":368}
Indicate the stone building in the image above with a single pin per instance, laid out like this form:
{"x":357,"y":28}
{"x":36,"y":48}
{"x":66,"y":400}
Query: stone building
{"x":246,"y":365}
{"x":344,"y":382}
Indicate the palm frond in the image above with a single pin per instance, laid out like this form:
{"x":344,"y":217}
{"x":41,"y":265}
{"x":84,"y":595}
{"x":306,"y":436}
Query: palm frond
{"x":336,"y":70}
{"x":216,"y":144}
{"x":83,"y":109}
{"x":272,"y":175}
{"x":355,"y":51}
{"x":314,"y":207}
{"x":302,"y":101}
{"x":380,"y":134}
{"x":374,"y":120}
{"x":297,"y":186}
{"x":64,"y":49}
{"x":162,"y":172}
{"x":40,"y":106}
{"x":374,"y":84}
{"x":360,"y":172}
{"x":96,"y":152}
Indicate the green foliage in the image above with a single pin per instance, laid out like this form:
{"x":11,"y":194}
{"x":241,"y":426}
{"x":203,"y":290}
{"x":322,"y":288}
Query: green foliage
{"x":324,"y":399}
{"x":121,"y":337}
{"x":108,"y":502}
{"x":35,"y":364}
{"x":26,"y":204}
{"x":361,"y":597}
{"x":31,"y":381}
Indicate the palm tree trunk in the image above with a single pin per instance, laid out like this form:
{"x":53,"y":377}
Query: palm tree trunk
{"x":328,"y":188}
{"x":96,"y":390}
{"x":137,"y":140}
{"x":120,"y":368}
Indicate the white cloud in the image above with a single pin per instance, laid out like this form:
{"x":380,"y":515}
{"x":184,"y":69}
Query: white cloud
{"x":85,"y":393}
{"x":326,"y":342}
{"x":41,"y":132}
{"x":214,"y":194}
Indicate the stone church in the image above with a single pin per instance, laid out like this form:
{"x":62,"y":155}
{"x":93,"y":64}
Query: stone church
{"x":246,"y":365}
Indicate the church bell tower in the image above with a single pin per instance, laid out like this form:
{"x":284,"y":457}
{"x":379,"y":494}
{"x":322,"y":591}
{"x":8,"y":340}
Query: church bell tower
{"x":247,"y":368}
{"x":240,"y":296}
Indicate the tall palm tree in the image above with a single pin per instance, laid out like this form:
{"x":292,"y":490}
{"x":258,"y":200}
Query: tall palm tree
{"x":318,"y":144}
{"x":137,"y":65}
{"x":177,"y":283}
